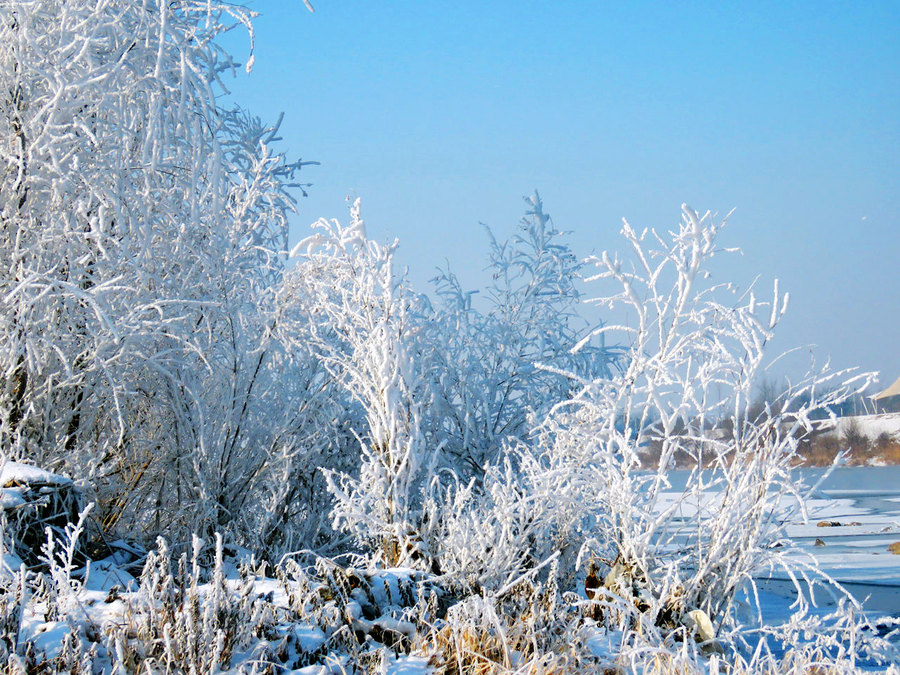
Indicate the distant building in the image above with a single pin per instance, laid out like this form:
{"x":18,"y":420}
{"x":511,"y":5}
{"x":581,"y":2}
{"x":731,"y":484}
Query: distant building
{"x":889,"y":399}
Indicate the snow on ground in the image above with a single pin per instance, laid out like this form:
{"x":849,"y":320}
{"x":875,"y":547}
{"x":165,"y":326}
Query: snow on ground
{"x":14,"y":473}
{"x":847,"y":533}
{"x":871,"y":426}
{"x":409,"y":665}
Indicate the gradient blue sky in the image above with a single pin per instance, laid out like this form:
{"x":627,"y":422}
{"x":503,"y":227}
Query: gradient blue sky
{"x":441,"y":115}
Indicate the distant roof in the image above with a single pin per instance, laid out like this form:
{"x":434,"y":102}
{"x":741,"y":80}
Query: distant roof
{"x":893,"y":390}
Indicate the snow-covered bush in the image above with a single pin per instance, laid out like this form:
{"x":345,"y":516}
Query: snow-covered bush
{"x":143,"y":229}
{"x":363,"y":324}
{"x":695,"y":350}
{"x":441,"y":390}
{"x":589,"y":486}
{"x":529,"y":629}
{"x":528,"y":511}
{"x":174,"y":623}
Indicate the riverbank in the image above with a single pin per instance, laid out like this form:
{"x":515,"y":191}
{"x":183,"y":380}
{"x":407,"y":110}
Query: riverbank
{"x":867,"y":440}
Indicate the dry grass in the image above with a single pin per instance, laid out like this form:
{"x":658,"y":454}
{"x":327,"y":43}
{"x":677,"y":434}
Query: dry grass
{"x":470,"y":651}
{"x":820,"y":449}
{"x":479,"y":649}
{"x":176,"y":624}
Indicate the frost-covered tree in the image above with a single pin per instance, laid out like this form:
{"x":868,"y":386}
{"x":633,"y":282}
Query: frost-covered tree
{"x":142,"y":229}
{"x":501,"y":356}
{"x":367,"y":328}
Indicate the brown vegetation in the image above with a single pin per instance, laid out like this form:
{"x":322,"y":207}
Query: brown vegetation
{"x":820,"y":448}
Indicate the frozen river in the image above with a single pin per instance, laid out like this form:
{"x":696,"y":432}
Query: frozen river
{"x":853,"y":523}
{"x":856,"y":479}
{"x":851,"y":479}
{"x":863,"y":506}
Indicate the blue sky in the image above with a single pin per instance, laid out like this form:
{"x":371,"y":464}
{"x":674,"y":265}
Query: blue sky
{"x":443,"y":115}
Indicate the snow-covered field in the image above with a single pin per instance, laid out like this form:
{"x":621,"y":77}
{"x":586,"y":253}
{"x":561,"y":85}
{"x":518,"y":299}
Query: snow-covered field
{"x":871,"y":426}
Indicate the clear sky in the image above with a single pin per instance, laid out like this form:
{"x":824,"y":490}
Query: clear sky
{"x":441,"y":115}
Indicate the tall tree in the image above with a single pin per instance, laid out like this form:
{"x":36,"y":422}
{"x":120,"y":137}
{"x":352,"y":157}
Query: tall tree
{"x":142,"y":232}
